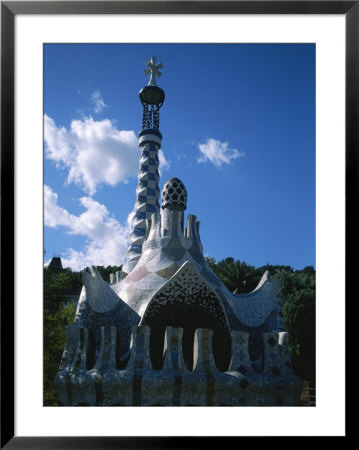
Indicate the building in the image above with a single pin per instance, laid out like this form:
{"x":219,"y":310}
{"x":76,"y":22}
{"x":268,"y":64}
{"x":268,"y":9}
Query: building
{"x":167,"y":331}
{"x":55,"y":265}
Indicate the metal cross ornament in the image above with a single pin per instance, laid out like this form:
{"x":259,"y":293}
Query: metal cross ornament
{"x":153,"y":70}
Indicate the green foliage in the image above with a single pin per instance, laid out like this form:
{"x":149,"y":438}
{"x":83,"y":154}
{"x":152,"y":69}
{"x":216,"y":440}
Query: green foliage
{"x":238,"y":276}
{"x":56,"y":317}
{"x":56,"y":285}
{"x":297,"y":292}
{"x":106,"y":271}
{"x":274,"y":269}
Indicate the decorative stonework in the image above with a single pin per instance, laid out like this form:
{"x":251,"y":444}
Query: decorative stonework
{"x":153,"y":70}
{"x":139,"y":384}
{"x":186,"y":288}
{"x":174,"y":194}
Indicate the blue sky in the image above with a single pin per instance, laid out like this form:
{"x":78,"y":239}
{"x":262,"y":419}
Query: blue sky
{"x":238,"y":126}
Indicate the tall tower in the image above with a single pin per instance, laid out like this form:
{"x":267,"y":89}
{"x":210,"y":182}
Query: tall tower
{"x":147,"y":192}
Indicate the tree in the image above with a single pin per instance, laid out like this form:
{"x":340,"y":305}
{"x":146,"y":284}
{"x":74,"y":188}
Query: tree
{"x":238,"y":276}
{"x":106,"y":271}
{"x":297,"y":292}
{"x":56,"y":317}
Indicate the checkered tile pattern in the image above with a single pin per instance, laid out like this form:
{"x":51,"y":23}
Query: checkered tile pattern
{"x":147,"y":194}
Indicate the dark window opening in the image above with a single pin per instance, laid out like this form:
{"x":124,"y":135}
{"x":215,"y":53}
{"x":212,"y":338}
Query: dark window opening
{"x":90,"y":351}
{"x":190,"y":318}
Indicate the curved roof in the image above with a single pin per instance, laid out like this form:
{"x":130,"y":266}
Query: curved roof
{"x":174,"y":264}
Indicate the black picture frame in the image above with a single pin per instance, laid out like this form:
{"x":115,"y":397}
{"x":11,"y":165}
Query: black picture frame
{"x":9,"y":9}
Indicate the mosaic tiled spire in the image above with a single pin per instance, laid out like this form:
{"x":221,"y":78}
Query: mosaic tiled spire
{"x":147,"y":192}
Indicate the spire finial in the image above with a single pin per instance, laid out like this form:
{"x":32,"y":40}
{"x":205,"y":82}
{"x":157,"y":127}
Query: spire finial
{"x":153,"y":70}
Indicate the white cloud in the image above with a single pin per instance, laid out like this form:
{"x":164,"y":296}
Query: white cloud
{"x":94,"y":152}
{"x":218,"y":153}
{"x":106,"y":237}
{"x":97,"y":100}
{"x":163,"y":163}
{"x":54,"y":215}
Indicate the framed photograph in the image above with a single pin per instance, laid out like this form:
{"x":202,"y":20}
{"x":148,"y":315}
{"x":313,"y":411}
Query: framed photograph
{"x":60,"y":61}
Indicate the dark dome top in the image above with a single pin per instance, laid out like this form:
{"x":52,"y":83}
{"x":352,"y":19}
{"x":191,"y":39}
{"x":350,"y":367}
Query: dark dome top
{"x":174,"y":194}
{"x":152,"y":95}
